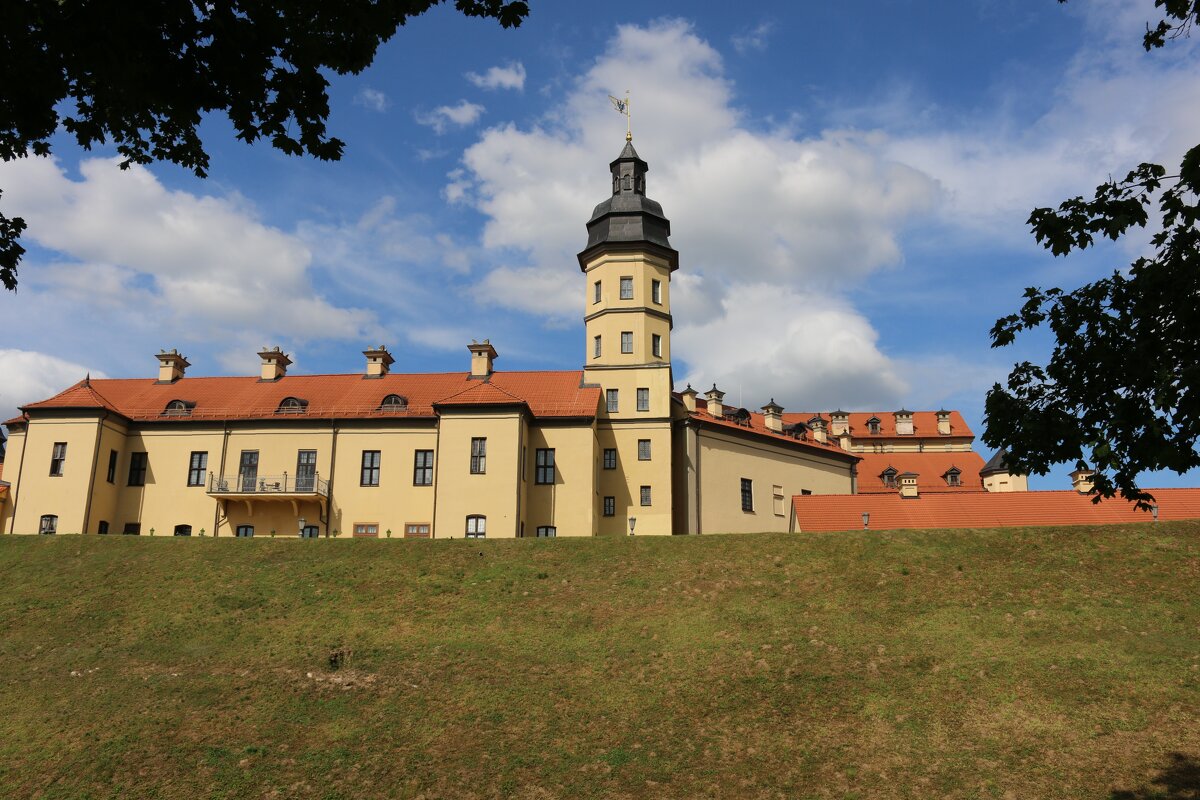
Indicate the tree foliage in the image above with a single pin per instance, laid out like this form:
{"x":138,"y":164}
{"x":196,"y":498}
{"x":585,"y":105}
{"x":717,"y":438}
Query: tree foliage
{"x":1119,"y":392}
{"x":142,"y":76}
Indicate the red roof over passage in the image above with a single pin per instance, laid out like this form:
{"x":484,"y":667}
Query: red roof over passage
{"x":924,"y":424}
{"x":931,"y":467}
{"x":981,"y":509}
{"x":548,"y":394}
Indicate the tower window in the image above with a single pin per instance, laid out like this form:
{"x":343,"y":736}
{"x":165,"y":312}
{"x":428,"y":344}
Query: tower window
{"x":656,"y":292}
{"x":626,"y":288}
{"x":626,"y":341}
{"x":611,"y":398}
{"x":595,"y":347}
{"x":58,"y":457}
{"x":596,"y":292}
{"x":643,"y":399}
{"x":656,"y":345}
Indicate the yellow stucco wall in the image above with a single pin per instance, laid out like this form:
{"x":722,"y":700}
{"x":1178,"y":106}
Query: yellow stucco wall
{"x":1004,"y":482}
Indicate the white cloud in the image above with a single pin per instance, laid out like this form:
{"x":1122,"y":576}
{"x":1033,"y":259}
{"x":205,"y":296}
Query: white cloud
{"x":754,"y":214}
{"x":753,"y":39}
{"x":372,"y":99}
{"x":461,"y":115}
{"x":30,"y":376}
{"x":138,"y":261}
{"x":510,"y":76}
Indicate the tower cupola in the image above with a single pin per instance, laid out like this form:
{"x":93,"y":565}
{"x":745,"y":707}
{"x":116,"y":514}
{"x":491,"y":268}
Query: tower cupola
{"x":628,"y":220}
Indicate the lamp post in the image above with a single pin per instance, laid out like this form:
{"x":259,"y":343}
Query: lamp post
{"x":1154,"y":511}
{"x":866,"y":518}
{"x":632,"y":523}
{"x":302,"y":521}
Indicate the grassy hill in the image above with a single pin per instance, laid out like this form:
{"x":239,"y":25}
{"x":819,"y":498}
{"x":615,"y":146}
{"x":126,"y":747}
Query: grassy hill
{"x":953,"y":664}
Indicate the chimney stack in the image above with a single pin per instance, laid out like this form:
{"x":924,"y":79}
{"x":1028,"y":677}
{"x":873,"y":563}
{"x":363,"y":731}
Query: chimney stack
{"x":274,"y":364}
{"x":715,"y":396}
{"x":1081,"y":479}
{"x":904,"y":422}
{"x":171,"y":366}
{"x":482,"y":356}
{"x":379,"y":361}
{"x":908,"y":485}
{"x":773,"y":416}
{"x":819,"y":429}
{"x":688,"y":396}
{"x":839,"y":423}
{"x":943,"y":422}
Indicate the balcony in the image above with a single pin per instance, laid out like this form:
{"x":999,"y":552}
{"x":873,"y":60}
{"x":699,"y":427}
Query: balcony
{"x":269,"y":488}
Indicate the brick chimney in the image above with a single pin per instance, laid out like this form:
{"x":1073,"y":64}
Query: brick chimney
{"x":171,"y":366}
{"x":274,"y":364}
{"x":773,"y":416}
{"x":820,"y":428}
{"x":1081,"y":480}
{"x":715,"y":396}
{"x":482,"y":356}
{"x":943,"y":422}
{"x":379,"y":361}
{"x":908,"y":485}
{"x":688,"y":396}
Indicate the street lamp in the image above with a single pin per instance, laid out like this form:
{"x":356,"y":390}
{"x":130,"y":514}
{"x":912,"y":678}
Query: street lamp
{"x":632,"y":523}
{"x":302,"y":522}
{"x":866,"y":516}
{"x":1154,"y":511}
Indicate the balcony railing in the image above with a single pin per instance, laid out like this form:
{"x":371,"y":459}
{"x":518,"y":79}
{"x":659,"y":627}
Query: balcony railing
{"x":268,"y":484}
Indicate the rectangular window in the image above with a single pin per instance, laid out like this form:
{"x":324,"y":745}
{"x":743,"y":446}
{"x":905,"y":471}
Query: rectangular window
{"x":611,"y":396}
{"x":747,"y":494}
{"x":596,"y":347}
{"x":478,"y":455}
{"x":643,"y":399}
{"x":244,"y":531}
{"x":57,"y":457}
{"x":366,"y":529}
{"x":610,"y":506}
{"x":626,"y":341}
{"x":656,"y":345}
{"x":596,"y":292}
{"x":610,"y":458}
{"x":48,"y":524}
{"x":416,"y":530}
{"x":645,"y":495}
{"x":112,"y":466}
{"x":643,"y":449}
{"x":423,"y":468}
{"x":545,"y":466}
{"x":476,"y":527}
{"x":197,"y":465}
{"x":306,"y":470}
{"x":777,"y":500}
{"x":656,"y":292}
{"x":137,"y":469}
{"x":102,"y":528}
{"x":248,"y":471}
{"x":135,"y":529}
{"x":626,"y":288}
{"x":547,"y":532}
{"x":370,"y":468}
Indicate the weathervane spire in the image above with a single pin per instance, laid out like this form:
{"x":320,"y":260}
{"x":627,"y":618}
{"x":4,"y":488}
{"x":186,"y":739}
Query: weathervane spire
{"x":622,"y":107}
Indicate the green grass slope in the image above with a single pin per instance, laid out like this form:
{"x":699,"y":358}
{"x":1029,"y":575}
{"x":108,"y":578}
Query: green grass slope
{"x":1029,"y":663}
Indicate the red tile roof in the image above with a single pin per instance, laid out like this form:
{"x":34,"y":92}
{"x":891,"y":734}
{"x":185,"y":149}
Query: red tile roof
{"x":924,"y":423}
{"x":755,"y":424}
{"x":981,"y":509}
{"x":929,"y":466}
{"x":548,"y":394}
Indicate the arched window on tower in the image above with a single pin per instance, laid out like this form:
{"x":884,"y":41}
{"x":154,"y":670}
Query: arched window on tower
{"x":626,"y":183}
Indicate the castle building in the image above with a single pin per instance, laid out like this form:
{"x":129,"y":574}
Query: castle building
{"x":609,"y":449}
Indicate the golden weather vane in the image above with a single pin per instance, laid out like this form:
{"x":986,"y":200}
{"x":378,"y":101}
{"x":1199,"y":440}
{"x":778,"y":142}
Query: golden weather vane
{"x":622,"y":107}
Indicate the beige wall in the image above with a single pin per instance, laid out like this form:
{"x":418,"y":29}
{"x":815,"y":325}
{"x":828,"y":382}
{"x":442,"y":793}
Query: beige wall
{"x":494,"y":494}
{"x":569,"y":503}
{"x":725,"y":458}
{"x":27,"y":467}
{"x":1004,"y":482}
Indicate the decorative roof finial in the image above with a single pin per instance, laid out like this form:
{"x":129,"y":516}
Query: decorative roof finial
{"x":623,"y":107}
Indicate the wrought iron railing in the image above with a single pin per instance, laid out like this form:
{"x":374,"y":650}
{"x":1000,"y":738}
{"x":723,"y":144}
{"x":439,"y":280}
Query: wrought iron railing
{"x":268,"y":484}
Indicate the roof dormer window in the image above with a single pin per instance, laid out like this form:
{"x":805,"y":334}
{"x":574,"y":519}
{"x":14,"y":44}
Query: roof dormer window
{"x":888,"y":476}
{"x":873,"y":425}
{"x":953,"y":477}
{"x":178,"y":408}
{"x":292,"y":405}
{"x":394,"y":402}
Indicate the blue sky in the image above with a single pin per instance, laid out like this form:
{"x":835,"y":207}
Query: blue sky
{"x":848,"y":191}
